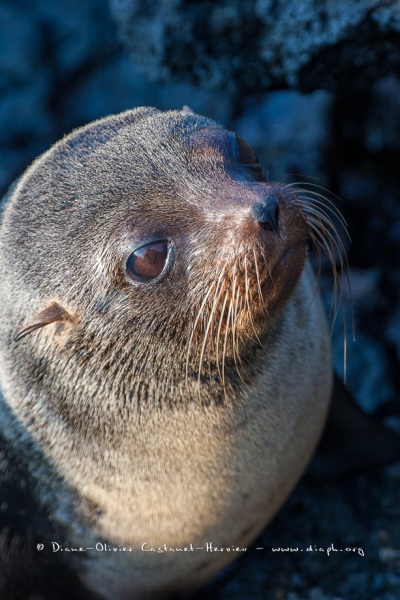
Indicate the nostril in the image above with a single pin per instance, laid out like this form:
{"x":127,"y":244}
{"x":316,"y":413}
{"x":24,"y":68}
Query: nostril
{"x":266,"y":213}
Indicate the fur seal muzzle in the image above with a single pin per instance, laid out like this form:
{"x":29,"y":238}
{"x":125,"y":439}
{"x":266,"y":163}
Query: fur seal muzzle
{"x":164,"y":357}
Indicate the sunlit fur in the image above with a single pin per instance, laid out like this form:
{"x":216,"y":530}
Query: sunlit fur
{"x":180,"y":411}
{"x":236,"y":292}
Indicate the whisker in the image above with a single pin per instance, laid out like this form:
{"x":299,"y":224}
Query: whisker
{"x":323,"y":201}
{"x":327,"y":247}
{"x":330,"y":228}
{"x":218,"y":338}
{"x":246,"y":295}
{"x":235,"y":346}
{"x":226,"y":338}
{"x":324,"y":236}
{"x":258,"y":278}
{"x":233,"y":321}
{"x":210,"y":320}
{"x":199,"y":314}
{"x":316,"y":185}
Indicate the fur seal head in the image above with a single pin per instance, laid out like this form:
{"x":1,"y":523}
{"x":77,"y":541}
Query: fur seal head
{"x":155,"y":285}
{"x":128,"y":246}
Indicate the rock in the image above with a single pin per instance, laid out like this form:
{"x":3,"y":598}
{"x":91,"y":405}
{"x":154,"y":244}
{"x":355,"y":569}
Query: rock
{"x":262,"y":44}
{"x":289,"y":132}
{"x":46,"y":48}
{"x":383,"y":122}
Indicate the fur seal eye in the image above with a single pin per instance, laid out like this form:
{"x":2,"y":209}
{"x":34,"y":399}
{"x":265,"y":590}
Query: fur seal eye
{"x":246,"y":155}
{"x":147,"y":262}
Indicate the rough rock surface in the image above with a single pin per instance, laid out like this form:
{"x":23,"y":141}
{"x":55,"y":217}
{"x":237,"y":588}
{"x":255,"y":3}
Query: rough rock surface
{"x":262,"y":44}
{"x":295,"y":562}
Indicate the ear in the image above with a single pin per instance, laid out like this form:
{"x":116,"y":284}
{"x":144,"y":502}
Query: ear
{"x":53,"y":313}
{"x":187,"y":109}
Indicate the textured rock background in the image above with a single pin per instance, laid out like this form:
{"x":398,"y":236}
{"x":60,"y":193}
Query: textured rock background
{"x":260,"y":44}
{"x":61,"y":65}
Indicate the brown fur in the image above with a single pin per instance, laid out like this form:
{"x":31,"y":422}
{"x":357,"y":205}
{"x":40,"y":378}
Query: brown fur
{"x":180,"y":411}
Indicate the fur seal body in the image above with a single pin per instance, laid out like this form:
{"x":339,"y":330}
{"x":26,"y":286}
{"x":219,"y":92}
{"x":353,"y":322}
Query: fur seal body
{"x":164,"y":357}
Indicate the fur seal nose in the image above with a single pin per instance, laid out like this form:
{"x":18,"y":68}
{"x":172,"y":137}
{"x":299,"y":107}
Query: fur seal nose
{"x":266,"y":213}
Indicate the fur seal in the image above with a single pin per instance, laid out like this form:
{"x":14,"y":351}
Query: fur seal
{"x":164,"y":357}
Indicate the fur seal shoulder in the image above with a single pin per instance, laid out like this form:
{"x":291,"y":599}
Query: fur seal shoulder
{"x":164,"y":356}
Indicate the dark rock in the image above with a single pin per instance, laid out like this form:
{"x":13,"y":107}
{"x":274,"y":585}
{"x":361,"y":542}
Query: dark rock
{"x":383,"y":123}
{"x":262,"y":44}
{"x":289,"y":132}
{"x":45,"y":48}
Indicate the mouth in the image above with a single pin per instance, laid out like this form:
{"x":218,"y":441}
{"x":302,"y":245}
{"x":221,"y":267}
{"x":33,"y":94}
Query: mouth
{"x":284,"y":260}
{"x":291,"y":258}
{"x":278,"y":282}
